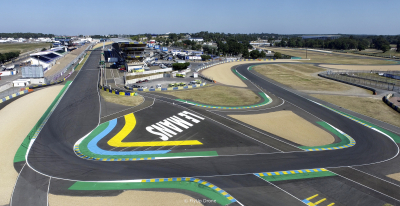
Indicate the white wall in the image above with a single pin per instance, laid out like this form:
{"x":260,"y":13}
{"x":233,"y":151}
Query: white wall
{"x":133,"y":81}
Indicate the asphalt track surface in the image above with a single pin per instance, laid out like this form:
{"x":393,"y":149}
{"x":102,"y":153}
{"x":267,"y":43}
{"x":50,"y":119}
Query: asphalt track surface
{"x":78,"y":114}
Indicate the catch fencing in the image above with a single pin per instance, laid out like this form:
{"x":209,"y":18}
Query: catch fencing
{"x":384,"y":80}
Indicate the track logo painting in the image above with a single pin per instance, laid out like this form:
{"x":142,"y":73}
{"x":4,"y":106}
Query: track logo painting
{"x":171,"y":126}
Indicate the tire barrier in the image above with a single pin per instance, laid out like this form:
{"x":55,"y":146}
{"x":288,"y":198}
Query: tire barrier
{"x":15,"y":95}
{"x":165,"y":89}
{"x":45,"y":85}
{"x":388,"y":102}
{"x":114,"y":91}
{"x":353,"y":84}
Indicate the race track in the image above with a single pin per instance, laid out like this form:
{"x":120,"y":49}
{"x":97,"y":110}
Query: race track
{"x":52,"y":154}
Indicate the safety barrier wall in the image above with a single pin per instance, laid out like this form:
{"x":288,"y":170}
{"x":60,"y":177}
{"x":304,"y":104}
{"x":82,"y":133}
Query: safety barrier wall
{"x":149,"y":72}
{"x":15,"y":95}
{"x":386,"y":99}
{"x":6,"y":86}
{"x":117,"y":92}
{"x":353,"y":84}
{"x":166,"y":89}
{"x":133,"y":81}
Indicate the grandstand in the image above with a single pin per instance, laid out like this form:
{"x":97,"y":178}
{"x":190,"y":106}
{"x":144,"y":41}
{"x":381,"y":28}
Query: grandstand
{"x":132,"y":52}
{"x":47,"y":58}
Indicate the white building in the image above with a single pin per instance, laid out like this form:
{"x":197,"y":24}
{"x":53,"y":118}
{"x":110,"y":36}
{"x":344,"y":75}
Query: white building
{"x":196,"y":39}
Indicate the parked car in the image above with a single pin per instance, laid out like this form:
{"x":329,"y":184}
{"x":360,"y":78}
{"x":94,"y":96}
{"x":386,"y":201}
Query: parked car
{"x":146,"y":80}
{"x":143,"y":87}
{"x":158,"y":86}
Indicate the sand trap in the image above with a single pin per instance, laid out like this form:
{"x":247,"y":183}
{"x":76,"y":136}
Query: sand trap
{"x":222,"y":73}
{"x":363,"y":67}
{"x":395,"y":176}
{"x":129,"y":197}
{"x":288,"y":125}
{"x":16,"y":121}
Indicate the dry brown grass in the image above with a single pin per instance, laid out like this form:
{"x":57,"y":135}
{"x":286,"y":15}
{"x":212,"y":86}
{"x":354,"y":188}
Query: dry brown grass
{"x":298,"y":77}
{"x":329,"y":58}
{"x":23,"y":47}
{"x":218,"y":95}
{"x":122,"y":100}
{"x":374,"y":108}
{"x":364,"y":67}
{"x":299,"y":130}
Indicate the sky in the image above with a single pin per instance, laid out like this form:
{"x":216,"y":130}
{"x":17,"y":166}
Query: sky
{"x":89,"y":17}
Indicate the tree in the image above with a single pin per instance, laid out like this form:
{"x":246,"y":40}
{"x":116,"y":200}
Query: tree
{"x":398,"y":46}
{"x":254,"y":54}
{"x":278,"y":55}
{"x":180,"y":66}
{"x":385,"y":48}
{"x":262,"y":54}
{"x":245,"y":53}
{"x":205,"y":57}
{"x":360,"y":47}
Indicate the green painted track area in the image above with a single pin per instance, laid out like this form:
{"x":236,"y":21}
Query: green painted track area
{"x":266,"y":101}
{"x":83,"y":151}
{"x":23,"y":148}
{"x":239,"y":75}
{"x":199,"y":187}
{"x":294,"y":174}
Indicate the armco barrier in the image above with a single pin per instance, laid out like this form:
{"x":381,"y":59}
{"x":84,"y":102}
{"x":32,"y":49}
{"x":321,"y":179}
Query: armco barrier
{"x":15,"y":95}
{"x":357,"y":85}
{"x":118,"y":92}
{"x":165,"y":89}
{"x":388,"y":102}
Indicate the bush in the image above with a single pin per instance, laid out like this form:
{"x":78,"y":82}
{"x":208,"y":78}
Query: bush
{"x":278,"y":55}
{"x":180,"y":66}
{"x":205,"y":57}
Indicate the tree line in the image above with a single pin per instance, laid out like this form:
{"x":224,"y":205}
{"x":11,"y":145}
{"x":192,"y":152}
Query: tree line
{"x":343,"y":43}
{"x":5,"y":57}
{"x":25,"y":35}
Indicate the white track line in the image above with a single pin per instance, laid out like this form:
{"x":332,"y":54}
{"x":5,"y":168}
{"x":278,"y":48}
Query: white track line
{"x":281,"y":189}
{"x":12,"y":194}
{"x":375,"y":176}
{"x":365,"y":186}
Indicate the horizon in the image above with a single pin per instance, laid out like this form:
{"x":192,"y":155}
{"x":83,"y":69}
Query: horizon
{"x":159,"y":17}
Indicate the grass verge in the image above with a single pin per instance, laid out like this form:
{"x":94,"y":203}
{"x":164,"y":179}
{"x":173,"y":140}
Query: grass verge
{"x":122,"y":100}
{"x":218,"y":95}
{"x":330,"y":58}
{"x":298,"y":77}
{"x":25,"y":47}
{"x":374,"y":108}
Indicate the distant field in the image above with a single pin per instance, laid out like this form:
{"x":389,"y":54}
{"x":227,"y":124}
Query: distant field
{"x":299,"y":77}
{"x":374,"y":108}
{"x":25,"y":47}
{"x":330,"y":58}
{"x":377,"y":52}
